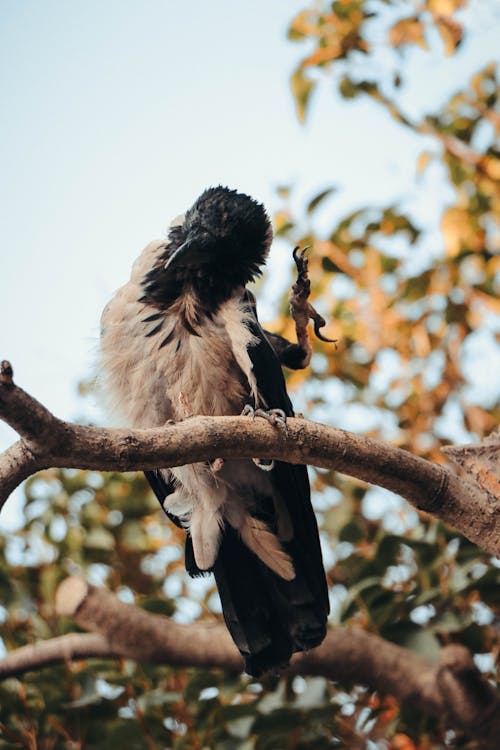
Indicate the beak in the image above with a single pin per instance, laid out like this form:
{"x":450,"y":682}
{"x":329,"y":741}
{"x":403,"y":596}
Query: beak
{"x":190,"y":253}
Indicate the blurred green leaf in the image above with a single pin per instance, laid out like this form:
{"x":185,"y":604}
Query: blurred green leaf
{"x":302,"y":89}
{"x":319,"y":198}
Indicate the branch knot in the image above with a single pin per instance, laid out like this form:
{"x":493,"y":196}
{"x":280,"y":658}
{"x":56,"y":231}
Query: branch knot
{"x":6,"y":374}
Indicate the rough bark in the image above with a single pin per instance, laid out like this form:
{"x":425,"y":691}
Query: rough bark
{"x":47,"y":441}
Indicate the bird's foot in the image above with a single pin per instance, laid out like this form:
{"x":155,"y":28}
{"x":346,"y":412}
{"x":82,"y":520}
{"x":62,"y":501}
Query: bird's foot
{"x":274,"y":417}
{"x":264,"y":464}
{"x":302,"y":310}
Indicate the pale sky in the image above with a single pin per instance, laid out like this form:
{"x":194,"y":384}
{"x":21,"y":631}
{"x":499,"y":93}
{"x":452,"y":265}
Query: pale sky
{"x":117,"y":114}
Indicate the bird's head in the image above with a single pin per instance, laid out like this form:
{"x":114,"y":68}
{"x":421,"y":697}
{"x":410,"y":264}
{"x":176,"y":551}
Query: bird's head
{"x":221,"y":245}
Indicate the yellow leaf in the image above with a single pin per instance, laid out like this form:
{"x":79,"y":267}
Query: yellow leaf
{"x":282,"y":221}
{"x":421,"y":341}
{"x":459,"y":232}
{"x":304,"y":24}
{"x":445,"y":7}
{"x":479,"y":81}
{"x":492,"y":303}
{"x":302,"y":88}
{"x":451,"y":34}
{"x":423,"y":161}
{"x":491,"y":166}
{"x":408,"y":31}
{"x":323,"y":54}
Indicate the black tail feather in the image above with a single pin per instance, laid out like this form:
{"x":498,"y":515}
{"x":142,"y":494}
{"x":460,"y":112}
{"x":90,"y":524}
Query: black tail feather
{"x":254,"y":609}
{"x":268,"y":617}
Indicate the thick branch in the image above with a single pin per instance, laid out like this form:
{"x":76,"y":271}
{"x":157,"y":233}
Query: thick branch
{"x":69,"y":647}
{"x":51,"y":442}
{"x":471,"y":701}
{"x":453,"y":689}
{"x":17,"y":463}
{"x":27,"y":416}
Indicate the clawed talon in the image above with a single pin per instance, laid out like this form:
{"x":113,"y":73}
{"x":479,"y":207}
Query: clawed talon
{"x":300,"y":258}
{"x":319,"y":322}
{"x":264,"y":464}
{"x":274,"y":417}
{"x":302,"y":310}
{"x":248,"y":411}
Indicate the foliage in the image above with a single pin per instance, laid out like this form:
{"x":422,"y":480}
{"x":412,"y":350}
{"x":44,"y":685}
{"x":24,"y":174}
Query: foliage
{"x":408,"y":322}
{"x":420,"y":590}
{"x":406,"y":318}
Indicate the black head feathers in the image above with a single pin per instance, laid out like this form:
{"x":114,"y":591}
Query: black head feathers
{"x":221,"y":245}
{"x":230,"y":226}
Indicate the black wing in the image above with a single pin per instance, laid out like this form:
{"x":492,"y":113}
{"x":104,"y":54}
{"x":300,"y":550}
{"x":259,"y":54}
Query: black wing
{"x":270,"y":618}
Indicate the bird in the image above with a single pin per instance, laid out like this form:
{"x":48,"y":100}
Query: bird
{"x":182,"y":338}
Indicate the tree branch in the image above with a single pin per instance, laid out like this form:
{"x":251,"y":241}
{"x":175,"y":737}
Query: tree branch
{"x":452,"y":689}
{"x":64,"y":648}
{"x":17,"y":463}
{"x":48,"y":441}
{"x":25,"y":414}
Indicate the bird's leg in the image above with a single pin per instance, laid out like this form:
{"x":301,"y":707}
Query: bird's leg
{"x":301,"y":309}
{"x":299,"y":305}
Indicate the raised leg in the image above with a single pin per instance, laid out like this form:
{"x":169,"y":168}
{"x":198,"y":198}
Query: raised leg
{"x":301,"y":308}
{"x":297,"y":356}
